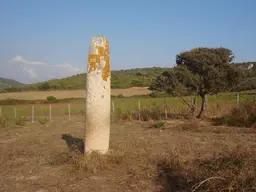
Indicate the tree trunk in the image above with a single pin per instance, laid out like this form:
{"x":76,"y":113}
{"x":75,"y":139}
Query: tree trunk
{"x":193,"y":107}
{"x":201,"y":113}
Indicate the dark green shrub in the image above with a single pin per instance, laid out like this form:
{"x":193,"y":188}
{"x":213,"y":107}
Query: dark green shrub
{"x":158,"y":95}
{"x":51,"y":99}
{"x":160,"y":124}
{"x":120,"y":96}
{"x":153,"y":95}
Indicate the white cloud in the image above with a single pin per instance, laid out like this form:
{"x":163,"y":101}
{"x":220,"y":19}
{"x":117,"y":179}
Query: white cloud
{"x":21,"y":60}
{"x":31,"y":72}
{"x":35,"y":71}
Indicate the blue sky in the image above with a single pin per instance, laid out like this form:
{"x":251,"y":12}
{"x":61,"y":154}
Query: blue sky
{"x":43,"y":39}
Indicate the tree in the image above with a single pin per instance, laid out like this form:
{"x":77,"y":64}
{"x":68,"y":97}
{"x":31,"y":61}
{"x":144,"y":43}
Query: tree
{"x":202,"y":71}
{"x":44,"y":86}
{"x":177,"y":82}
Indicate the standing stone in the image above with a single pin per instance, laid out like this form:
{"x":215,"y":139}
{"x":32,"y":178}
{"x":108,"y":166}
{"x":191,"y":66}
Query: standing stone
{"x":98,"y":98}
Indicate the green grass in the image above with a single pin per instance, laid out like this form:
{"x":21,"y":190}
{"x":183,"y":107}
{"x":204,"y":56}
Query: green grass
{"x":123,"y":107}
{"x":40,"y":111}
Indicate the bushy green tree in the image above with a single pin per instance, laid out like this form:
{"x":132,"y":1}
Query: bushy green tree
{"x":202,"y":71}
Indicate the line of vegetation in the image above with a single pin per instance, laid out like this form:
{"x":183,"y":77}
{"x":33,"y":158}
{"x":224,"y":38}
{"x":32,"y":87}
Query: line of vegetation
{"x":154,"y":95}
{"x":139,"y":77}
{"x":52,"y":99}
{"x":39,"y":101}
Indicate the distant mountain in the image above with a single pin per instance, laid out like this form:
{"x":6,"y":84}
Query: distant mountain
{"x":9,"y":83}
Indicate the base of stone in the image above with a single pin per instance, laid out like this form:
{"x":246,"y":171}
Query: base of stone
{"x":102,"y":152}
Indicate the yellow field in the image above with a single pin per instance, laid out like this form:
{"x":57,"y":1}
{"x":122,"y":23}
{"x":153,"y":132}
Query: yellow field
{"x":34,"y":95}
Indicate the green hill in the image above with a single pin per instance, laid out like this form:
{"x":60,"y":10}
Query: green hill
{"x":8,"y":83}
{"x":139,"y":77}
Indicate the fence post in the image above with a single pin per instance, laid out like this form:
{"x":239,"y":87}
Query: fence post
{"x":237,"y":98}
{"x":206,"y":102}
{"x":196,"y":104}
{"x":50,"y":110}
{"x":113,"y":106}
{"x":33,"y":113}
{"x":69,"y":111}
{"x":15,"y":113}
{"x":0,"y":111}
{"x":165,"y":108}
{"x":139,"y":109}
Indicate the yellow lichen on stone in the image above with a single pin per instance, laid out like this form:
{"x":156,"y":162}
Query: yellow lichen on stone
{"x":93,"y":61}
{"x":100,"y":51}
{"x":106,"y":69}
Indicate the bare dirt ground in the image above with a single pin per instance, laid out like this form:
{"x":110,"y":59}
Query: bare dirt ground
{"x":34,"y":158}
{"x":33,"y":95}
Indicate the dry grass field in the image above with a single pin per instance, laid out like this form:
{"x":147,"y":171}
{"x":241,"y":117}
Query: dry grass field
{"x":156,"y":154}
{"x":176,"y":158}
{"x":34,"y":95}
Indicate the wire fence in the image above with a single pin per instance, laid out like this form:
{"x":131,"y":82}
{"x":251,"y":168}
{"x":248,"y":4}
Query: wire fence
{"x":215,"y":106}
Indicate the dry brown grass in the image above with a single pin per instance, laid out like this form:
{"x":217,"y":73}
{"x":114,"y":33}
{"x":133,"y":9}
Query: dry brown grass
{"x":34,"y":95}
{"x":91,"y":163}
{"x":190,"y":125}
{"x":141,"y":158}
{"x":243,"y":115}
{"x":231,"y":170}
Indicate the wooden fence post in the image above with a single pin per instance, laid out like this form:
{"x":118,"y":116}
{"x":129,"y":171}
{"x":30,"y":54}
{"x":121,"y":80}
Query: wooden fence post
{"x":33,"y":113}
{"x":165,"y":108}
{"x":237,"y":98}
{"x":69,"y":111}
{"x":0,"y":111}
{"x":15,"y":113}
{"x":206,"y":102}
{"x":50,"y":111}
{"x":139,"y":109}
{"x":196,"y":104}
